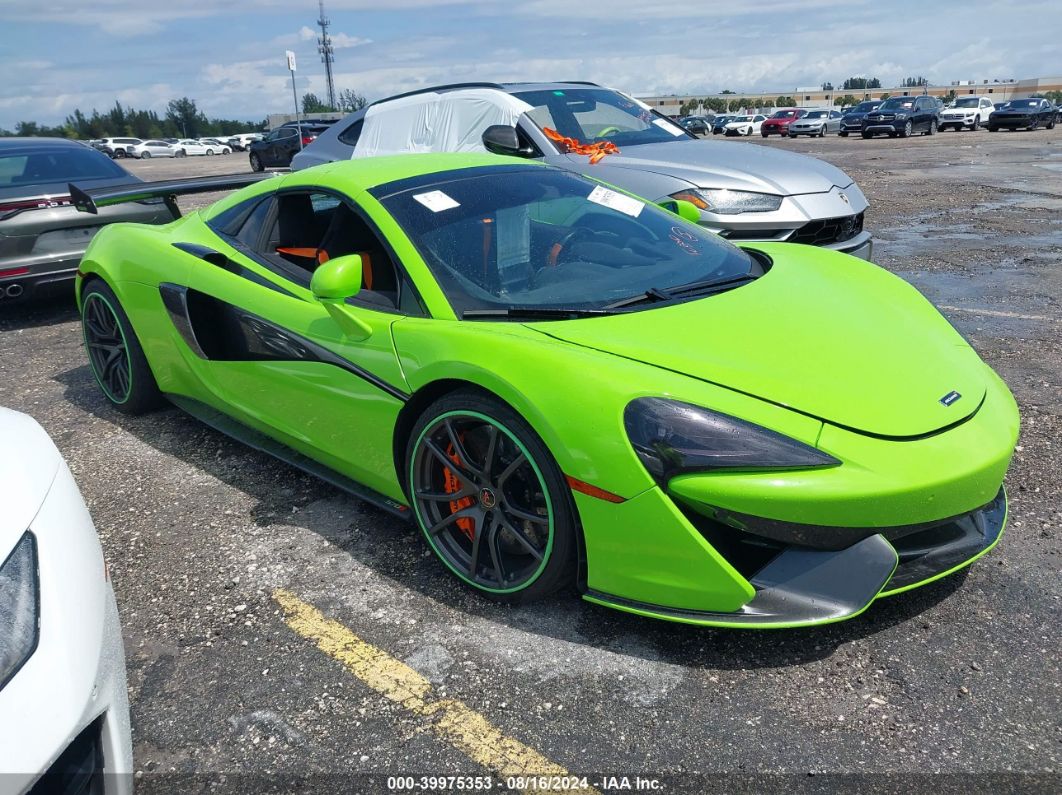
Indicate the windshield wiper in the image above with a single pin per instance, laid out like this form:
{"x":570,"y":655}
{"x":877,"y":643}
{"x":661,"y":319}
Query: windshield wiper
{"x":531,"y":312}
{"x":654,"y":294}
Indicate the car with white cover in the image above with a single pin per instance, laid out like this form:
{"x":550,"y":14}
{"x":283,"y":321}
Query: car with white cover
{"x":745,"y":125}
{"x":64,"y":710}
{"x":968,"y":111}
{"x":741,"y":192}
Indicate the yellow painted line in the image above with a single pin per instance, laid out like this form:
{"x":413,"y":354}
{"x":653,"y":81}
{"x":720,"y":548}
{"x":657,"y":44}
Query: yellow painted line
{"x":451,"y":720}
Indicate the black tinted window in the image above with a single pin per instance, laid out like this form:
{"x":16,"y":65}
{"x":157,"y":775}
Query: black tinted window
{"x":39,"y":166}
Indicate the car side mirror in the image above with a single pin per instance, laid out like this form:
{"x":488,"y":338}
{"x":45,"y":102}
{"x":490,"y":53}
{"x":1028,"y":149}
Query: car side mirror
{"x":332,"y":284}
{"x":502,"y":139}
{"x":683,"y":209}
{"x":337,"y":279}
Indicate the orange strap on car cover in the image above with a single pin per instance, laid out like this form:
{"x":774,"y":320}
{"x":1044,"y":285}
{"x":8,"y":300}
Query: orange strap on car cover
{"x":595,"y":151}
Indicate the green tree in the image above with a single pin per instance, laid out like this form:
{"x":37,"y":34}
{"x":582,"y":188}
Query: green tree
{"x":784,"y":101}
{"x":846,"y":101}
{"x":185,"y":117}
{"x":861,"y":83}
{"x":949,"y":97}
{"x":726,"y":91}
{"x":311,"y":103}
{"x":350,"y":100}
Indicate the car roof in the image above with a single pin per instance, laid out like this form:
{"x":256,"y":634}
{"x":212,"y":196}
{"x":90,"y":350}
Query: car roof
{"x":27,"y":142}
{"x":352,"y":177}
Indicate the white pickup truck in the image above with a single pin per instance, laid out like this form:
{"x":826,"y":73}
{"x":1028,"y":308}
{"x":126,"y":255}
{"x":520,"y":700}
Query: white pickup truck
{"x":968,"y":111}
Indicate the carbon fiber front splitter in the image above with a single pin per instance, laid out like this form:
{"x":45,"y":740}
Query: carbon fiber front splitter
{"x":803,"y":587}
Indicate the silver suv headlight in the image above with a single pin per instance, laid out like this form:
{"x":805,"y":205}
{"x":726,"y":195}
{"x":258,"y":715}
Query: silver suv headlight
{"x":19,"y":607}
{"x":723,"y":201}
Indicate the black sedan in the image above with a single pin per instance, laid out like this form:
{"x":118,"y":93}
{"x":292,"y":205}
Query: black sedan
{"x":42,"y":236}
{"x":1029,"y":113}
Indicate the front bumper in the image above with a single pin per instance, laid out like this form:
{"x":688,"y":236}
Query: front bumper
{"x":804,"y":586}
{"x":802,"y":547}
{"x":70,"y":695}
{"x":1012,"y":122}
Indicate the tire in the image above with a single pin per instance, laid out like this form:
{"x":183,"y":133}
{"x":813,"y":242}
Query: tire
{"x":1034,"y":126}
{"x":843,"y":134}
{"x":908,"y":129}
{"x":1050,"y":125}
{"x":868,"y":135}
{"x":256,"y":162}
{"x":976,"y":124}
{"x":210,"y":152}
{"x":748,"y":133}
{"x":145,"y":156}
{"x":180,"y":153}
{"x":115,"y":356}
{"x":822,"y":131}
{"x":530,"y":528}
{"x":932,"y":127}
{"x":764,"y":133}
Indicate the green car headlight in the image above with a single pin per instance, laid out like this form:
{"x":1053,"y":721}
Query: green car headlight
{"x":723,"y":201}
{"x":19,"y":607}
{"x":672,"y":438}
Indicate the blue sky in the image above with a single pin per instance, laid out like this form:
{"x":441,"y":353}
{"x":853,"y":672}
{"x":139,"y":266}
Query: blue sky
{"x":228,"y":55}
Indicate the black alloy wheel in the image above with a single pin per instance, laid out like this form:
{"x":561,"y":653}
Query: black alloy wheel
{"x":490,"y":500}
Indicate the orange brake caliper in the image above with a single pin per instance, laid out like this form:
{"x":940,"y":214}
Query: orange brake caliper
{"x":452,"y":485}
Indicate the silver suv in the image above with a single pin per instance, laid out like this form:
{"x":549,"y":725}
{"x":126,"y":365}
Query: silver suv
{"x":743,"y":191}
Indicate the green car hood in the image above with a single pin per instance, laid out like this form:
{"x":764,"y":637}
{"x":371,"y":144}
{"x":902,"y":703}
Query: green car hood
{"x":821,"y":333}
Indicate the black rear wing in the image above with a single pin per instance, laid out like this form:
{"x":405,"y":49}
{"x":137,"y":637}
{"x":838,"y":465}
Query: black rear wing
{"x":89,"y":200}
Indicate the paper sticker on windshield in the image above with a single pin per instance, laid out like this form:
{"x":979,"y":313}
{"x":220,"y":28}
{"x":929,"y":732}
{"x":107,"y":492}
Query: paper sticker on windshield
{"x":436,"y":201}
{"x":674,"y":129}
{"x":616,"y":201}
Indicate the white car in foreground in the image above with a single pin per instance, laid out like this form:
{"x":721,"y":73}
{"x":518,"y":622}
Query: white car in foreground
{"x":968,"y":111}
{"x":745,"y":125}
{"x":64,"y":712}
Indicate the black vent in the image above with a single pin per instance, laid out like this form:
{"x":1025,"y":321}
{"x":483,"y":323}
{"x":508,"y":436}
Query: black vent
{"x":828,"y":230}
{"x":78,"y":770}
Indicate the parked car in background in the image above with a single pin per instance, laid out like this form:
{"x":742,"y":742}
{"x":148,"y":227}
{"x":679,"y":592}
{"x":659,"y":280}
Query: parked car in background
{"x":277,"y":149}
{"x":120,"y":146}
{"x":816,"y":123}
{"x":241,"y":141}
{"x":778,"y":122}
{"x":100,"y":146}
{"x":698,"y":125}
{"x":852,"y":118}
{"x":190,"y":146}
{"x":741,"y":192}
{"x":719,"y":123}
{"x":1029,"y":113}
{"x":215,"y":147}
{"x":744,"y":125}
{"x":42,"y":237}
{"x":903,"y":116}
{"x":64,"y":709}
{"x":153,"y":148}
{"x":967,"y":111}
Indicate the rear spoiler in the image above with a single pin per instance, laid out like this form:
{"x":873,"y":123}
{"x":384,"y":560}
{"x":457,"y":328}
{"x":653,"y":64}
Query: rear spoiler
{"x":89,"y":200}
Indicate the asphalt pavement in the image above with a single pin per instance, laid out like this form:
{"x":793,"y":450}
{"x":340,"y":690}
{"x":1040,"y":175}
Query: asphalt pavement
{"x":281,"y":636}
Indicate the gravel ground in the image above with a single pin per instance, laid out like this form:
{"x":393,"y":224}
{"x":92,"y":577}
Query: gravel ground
{"x":960,"y":678}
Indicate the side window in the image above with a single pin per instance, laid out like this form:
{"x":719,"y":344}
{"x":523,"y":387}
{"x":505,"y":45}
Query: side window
{"x":311,"y":228}
{"x":250,"y":231}
{"x":351,"y":135}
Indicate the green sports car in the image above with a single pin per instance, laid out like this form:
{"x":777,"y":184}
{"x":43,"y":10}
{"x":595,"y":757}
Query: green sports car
{"x":562,"y":384}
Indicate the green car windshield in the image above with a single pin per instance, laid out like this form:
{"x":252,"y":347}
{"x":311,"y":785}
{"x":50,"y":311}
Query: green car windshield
{"x":504,"y":238}
{"x":590,"y":115}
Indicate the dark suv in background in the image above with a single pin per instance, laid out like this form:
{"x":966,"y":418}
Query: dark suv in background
{"x":904,"y":116}
{"x":282,"y":144}
{"x":852,"y":119}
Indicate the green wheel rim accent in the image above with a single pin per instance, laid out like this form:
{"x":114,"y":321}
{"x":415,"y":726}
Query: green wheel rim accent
{"x":107,"y":349}
{"x":500,"y":477}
